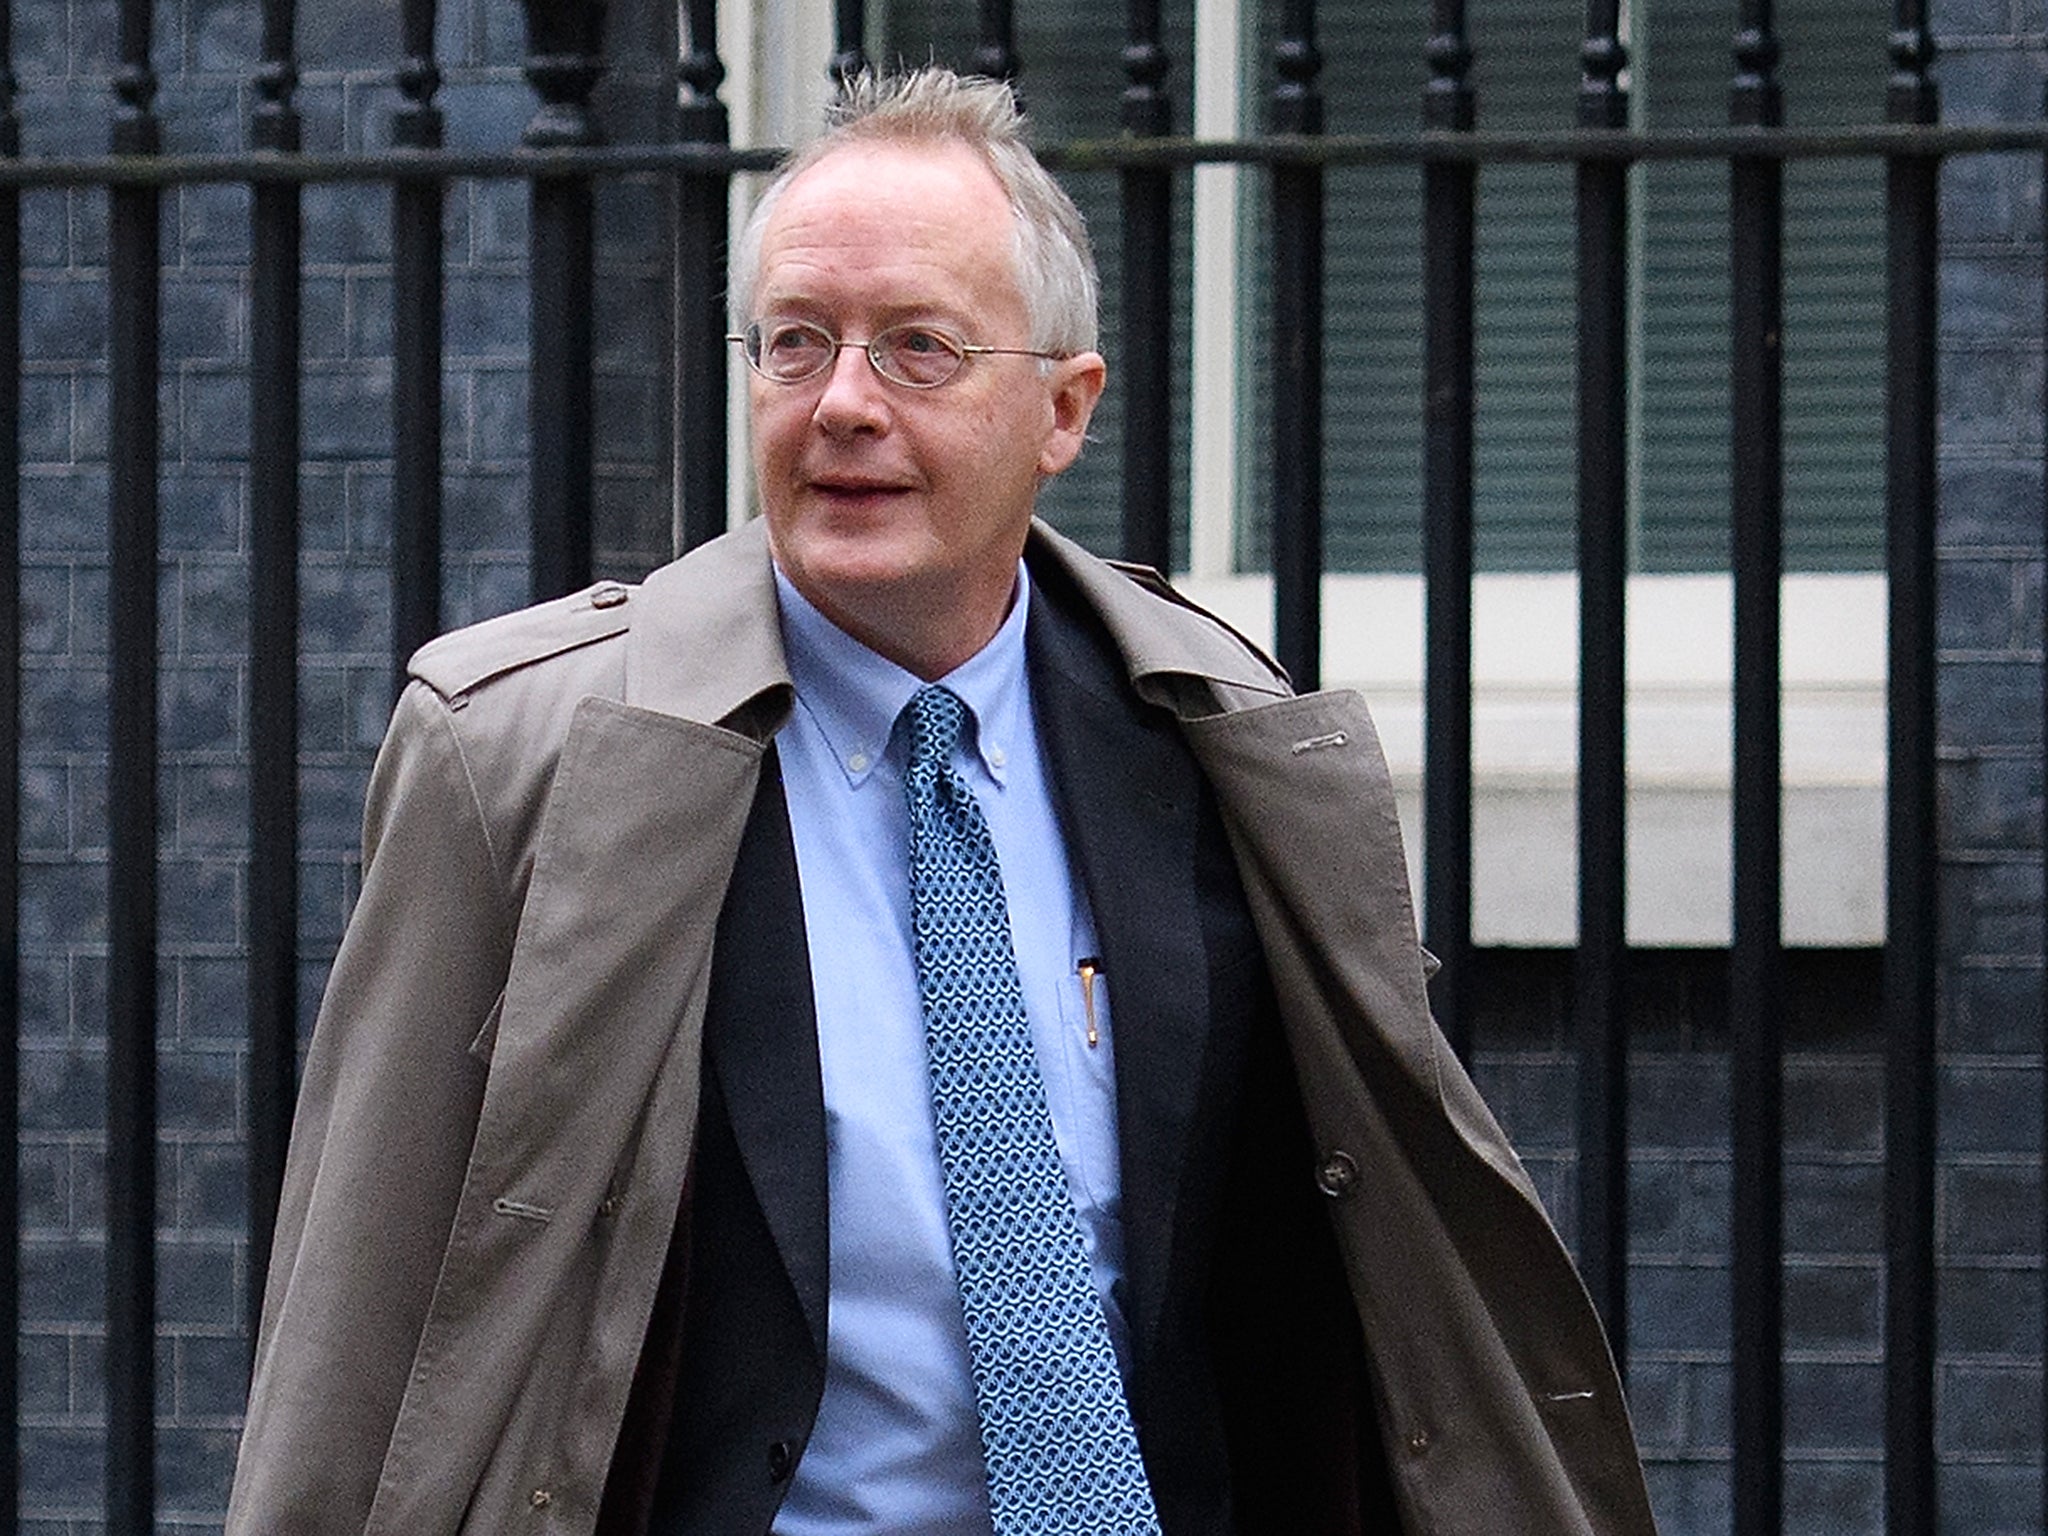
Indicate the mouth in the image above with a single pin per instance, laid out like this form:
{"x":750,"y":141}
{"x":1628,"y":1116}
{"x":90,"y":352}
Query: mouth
{"x":848,"y":489}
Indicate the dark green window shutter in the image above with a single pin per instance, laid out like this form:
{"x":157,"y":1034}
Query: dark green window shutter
{"x":1833,"y":73}
{"x":1527,"y":76}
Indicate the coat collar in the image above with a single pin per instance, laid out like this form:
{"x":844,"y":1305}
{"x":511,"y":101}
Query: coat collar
{"x":1163,"y":639}
{"x":713,"y":600}
{"x":705,"y":644}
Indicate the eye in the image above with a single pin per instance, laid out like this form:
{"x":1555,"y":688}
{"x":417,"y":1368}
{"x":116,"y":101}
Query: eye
{"x":918,"y":354}
{"x":793,"y":349}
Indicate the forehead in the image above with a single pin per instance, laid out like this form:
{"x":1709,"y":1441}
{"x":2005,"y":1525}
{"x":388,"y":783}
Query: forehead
{"x":891,"y":223}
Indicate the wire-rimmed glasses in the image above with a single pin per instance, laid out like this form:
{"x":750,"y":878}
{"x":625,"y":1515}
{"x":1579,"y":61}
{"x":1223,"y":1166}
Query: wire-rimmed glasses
{"x":915,"y":355}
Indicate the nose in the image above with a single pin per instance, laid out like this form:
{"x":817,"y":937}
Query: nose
{"x":853,"y":399}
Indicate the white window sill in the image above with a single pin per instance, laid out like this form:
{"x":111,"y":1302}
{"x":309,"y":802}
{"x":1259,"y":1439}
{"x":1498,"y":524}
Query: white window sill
{"x":1525,"y":725}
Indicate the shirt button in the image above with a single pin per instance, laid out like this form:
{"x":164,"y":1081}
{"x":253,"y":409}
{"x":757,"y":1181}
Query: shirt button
{"x":540,"y":1498}
{"x":781,"y":1460}
{"x":607,"y":594}
{"x":1338,"y":1175}
{"x":997,"y":757}
{"x":857,"y":762}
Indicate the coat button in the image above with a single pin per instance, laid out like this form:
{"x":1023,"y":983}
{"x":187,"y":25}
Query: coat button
{"x":540,"y":1498}
{"x":607,"y":594}
{"x":781,"y":1460}
{"x":1337,"y":1175}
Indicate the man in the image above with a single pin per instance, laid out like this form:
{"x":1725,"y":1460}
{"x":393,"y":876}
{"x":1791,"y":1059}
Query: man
{"x":894,"y":1025}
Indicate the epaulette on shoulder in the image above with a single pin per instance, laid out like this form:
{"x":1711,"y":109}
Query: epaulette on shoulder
{"x":462,"y":660}
{"x":1148,"y":579}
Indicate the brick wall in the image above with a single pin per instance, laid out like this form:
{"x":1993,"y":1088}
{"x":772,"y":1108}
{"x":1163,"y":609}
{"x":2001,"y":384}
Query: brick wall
{"x":1988,"y":1416}
{"x":1988,"y":1429}
{"x":203,"y":55}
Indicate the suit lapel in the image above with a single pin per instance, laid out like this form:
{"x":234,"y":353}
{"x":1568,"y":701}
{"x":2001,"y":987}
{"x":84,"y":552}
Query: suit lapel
{"x":762,"y":1043}
{"x":1128,"y":799}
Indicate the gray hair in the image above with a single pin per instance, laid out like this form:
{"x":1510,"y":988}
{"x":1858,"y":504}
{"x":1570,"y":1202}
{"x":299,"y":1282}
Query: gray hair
{"x":1055,"y":266}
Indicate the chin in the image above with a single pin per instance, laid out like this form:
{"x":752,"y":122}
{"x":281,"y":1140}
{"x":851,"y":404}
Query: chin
{"x":850,"y":577}
{"x":851,"y":559}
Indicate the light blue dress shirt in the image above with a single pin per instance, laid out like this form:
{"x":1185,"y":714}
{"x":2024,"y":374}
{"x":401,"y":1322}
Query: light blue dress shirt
{"x":896,"y":1448}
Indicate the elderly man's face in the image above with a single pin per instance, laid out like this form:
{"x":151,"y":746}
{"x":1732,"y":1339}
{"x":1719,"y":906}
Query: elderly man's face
{"x":901,"y":512}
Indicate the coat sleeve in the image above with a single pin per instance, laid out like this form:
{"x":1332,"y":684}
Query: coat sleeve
{"x":386,"y":1116}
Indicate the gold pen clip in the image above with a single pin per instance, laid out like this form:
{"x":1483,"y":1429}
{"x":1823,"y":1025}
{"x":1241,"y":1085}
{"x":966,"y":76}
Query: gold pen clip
{"x":1088,"y":968}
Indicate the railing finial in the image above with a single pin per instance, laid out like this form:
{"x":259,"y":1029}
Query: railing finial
{"x":135,"y":130}
{"x":1297,"y":100}
{"x":1447,"y":96}
{"x":701,"y":74}
{"x":1147,"y":108}
{"x":996,"y":56}
{"x":417,"y":123}
{"x":274,"y":122}
{"x":849,"y":28}
{"x":1603,"y":99}
{"x":1911,"y":95}
{"x":563,"y":62}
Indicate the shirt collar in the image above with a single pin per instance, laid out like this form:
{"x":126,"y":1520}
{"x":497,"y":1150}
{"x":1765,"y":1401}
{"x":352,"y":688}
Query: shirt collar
{"x":854,"y":694}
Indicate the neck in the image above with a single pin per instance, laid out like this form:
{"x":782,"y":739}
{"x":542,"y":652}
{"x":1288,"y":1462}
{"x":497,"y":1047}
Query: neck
{"x":927,"y":640}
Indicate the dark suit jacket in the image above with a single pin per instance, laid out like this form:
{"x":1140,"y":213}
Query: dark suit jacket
{"x":1250,"y":1389}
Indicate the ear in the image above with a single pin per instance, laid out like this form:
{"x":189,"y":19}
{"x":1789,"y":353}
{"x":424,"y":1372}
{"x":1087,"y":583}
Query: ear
{"x":1076,"y":385}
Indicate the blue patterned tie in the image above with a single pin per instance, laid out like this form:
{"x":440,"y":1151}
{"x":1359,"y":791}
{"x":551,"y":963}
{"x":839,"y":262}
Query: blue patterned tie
{"x":1056,"y":1434}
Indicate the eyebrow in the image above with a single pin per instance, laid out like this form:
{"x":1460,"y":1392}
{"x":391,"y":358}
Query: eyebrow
{"x":924,"y":312}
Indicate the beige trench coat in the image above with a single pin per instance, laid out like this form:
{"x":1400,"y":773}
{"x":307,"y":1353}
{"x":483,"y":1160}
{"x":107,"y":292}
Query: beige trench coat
{"x":496,"y":1116}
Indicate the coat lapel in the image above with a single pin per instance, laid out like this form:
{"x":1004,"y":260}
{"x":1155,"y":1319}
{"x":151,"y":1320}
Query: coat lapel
{"x":1128,"y":799}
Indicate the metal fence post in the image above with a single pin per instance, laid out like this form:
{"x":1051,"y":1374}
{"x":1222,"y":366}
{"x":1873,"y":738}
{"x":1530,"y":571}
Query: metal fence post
{"x":1449,"y":233}
{"x":1147,"y":362}
{"x":1912,"y":867}
{"x":273,"y":644}
{"x":416,"y":280}
{"x":134,"y":280}
{"x":1755,"y":989}
{"x":700,"y":268}
{"x":1297,"y":191}
{"x":563,"y":40}
{"x":1600,"y":975}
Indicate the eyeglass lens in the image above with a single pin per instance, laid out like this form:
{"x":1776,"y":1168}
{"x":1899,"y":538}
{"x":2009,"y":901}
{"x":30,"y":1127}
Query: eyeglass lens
{"x":790,"y":351}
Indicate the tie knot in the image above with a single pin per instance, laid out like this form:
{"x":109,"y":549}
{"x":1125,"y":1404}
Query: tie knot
{"x":937,"y":717}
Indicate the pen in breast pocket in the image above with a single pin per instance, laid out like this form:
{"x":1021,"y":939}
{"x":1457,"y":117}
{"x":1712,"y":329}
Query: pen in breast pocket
{"x":1089,"y":969}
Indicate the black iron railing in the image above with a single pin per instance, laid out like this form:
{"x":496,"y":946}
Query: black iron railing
{"x":561,"y":161}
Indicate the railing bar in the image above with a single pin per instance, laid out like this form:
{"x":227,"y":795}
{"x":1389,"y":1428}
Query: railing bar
{"x":2044,"y":957}
{"x":1449,"y":232}
{"x":1078,"y":155}
{"x":849,"y":39}
{"x":1146,"y":367}
{"x":10,"y":791}
{"x":700,"y":277}
{"x":133,"y":456}
{"x":1483,"y":146}
{"x":1297,"y":421}
{"x":416,"y":313}
{"x":274,"y":416}
{"x":1599,"y":971}
{"x":563,"y":64}
{"x":996,"y":53}
{"x":1755,"y":985}
{"x":1911,"y":860}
